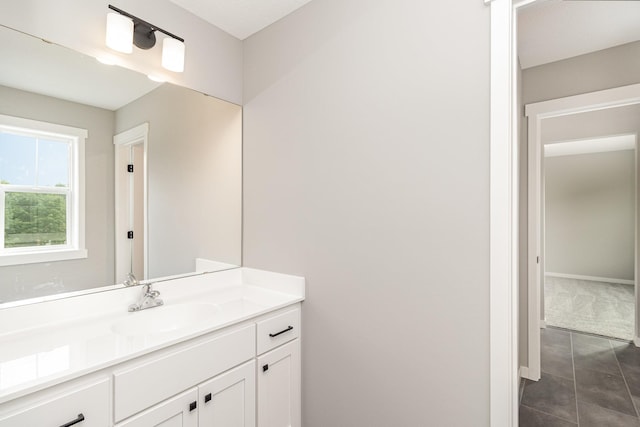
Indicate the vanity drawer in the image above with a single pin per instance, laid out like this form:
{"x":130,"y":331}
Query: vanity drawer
{"x":157,"y":379}
{"x":87,"y":404}
{"x":278,"y":330}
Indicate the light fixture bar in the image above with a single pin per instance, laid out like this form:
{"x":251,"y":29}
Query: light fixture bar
{"x":142,"y":21}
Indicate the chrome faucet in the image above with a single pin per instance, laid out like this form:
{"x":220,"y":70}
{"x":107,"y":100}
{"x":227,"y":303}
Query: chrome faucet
{"x":148,"y":299}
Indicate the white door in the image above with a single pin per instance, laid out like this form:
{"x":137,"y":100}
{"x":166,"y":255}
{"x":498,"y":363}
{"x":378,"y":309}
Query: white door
{"x":179,"y":411}
{"x":279,"y":387}
{"x":229,"y":400}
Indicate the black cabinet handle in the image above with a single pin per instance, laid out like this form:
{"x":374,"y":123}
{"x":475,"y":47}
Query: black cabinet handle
{"x":207,"y":398}
{"x":193,"y":405}
{"x":265,"y":368}
{"x":79,"y":419}
{"x":281,"y":332}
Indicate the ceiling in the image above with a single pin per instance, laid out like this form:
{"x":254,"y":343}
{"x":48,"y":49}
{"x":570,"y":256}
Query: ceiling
{"x":552,"y":30}
{"x":548,"y":31}
{"x":241,"y":18}
{"x":590,"y":146}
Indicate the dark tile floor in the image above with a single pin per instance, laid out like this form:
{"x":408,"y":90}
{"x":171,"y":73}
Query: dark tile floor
{"x":587,"y":381}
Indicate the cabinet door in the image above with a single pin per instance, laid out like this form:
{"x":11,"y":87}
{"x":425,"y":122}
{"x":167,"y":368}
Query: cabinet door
{"x":229,"y":400}
{"x":179,"y":411}
{"x":279,"y":387}
{"x":141,"y":385}
{"x":85,"y":406}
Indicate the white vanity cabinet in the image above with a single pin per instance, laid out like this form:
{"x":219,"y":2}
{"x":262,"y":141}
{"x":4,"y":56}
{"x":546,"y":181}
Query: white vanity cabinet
{"x":245,"y":374}
{"x":229,"y":400}
{"x":83,"y":405}
{"x":279,"y":374}
{"x":142,"y":384}
{"x":279,"y":387}
{"x":179,"y":411}
{"x":218,"y":380}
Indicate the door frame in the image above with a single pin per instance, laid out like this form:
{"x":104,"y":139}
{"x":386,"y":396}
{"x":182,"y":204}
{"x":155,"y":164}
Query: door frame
{"x":536,"y":113}
{"x":504,"y":372}
{"x":503,"y":216}
{"x":138,"y":135}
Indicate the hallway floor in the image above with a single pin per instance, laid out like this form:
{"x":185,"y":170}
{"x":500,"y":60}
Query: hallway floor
{"x":587,"y":381}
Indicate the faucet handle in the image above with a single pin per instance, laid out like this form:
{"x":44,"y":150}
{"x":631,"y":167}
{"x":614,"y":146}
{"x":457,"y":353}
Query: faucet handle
{"x":148,"y":292}
{"x":130,"y":280}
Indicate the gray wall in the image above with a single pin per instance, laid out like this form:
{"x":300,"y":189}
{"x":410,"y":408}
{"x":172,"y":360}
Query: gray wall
{"x":366,"y":170}
{"x":609,"y":188}
{"x":28,"y":281}
{"x":590,"y":214}
{"x":195,"y":177}
{"x":612,"y":121}
{"x":606,"y":69}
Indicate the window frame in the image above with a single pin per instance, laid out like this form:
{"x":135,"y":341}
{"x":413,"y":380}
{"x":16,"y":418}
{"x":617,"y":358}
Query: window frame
{"x":75,"y":193}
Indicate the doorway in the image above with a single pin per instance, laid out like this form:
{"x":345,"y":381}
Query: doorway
{"x":589,"y":229}
{"x":131,"y":252}
{"x":504,"y":250}
{"x":537,"y":113}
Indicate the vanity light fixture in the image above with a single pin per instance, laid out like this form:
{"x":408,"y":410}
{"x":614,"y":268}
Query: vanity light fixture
{"x":125,"y":30}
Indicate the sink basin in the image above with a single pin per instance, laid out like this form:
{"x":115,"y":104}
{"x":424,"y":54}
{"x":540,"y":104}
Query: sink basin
{"x":164,"y":319}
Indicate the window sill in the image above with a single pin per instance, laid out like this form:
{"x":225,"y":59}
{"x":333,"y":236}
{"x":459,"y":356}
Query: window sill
{"x":33,"y":257}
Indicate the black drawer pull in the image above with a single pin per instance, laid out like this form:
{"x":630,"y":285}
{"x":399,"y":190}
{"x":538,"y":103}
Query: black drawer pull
{"x":207,"y":398}
{"x":74,"y":422}
{"x":193,"y":406}
{"x":281,"y":332}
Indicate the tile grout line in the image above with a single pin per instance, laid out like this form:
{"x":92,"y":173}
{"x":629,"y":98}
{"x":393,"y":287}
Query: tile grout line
{"x":575,"y":380}
{"x":548,"y":414}
{"x":625,"y":380}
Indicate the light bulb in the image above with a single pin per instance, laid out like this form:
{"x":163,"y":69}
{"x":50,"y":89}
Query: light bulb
{"x":173,"y":55}
{"x":119,"y":32}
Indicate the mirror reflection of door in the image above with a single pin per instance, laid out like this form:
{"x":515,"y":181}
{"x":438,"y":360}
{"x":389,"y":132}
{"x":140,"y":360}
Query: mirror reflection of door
{"x":130,"y":203}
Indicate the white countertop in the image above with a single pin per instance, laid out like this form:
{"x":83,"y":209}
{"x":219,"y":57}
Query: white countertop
{"x":52,"y":342}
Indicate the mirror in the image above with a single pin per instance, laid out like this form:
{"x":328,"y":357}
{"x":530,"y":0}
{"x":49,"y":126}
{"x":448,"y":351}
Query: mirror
{"x":183,"y":201}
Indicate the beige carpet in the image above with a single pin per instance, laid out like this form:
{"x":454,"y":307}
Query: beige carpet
{"x":595,"y":307}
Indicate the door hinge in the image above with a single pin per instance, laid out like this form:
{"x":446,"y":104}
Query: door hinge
{"x":129,"y":234}
{"x":130,"y":168}
{"x":537,"y":260}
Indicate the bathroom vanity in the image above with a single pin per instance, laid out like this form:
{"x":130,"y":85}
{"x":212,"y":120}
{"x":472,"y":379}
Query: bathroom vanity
{"x":223,"y":350}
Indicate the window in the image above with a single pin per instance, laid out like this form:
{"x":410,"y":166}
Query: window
{"x":41,"y":191}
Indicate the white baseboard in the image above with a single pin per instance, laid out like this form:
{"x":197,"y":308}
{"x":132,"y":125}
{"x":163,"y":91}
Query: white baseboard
{"x":591,"y":278}
{"x":524,"y":372}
